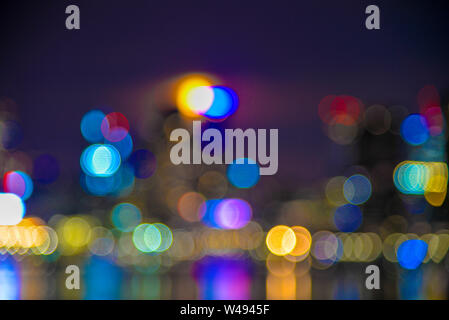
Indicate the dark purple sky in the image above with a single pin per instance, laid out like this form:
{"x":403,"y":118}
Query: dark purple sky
{"x":280,"y":57}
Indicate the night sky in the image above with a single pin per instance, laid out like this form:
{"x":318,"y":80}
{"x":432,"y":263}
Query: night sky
{"x":280,"y":57}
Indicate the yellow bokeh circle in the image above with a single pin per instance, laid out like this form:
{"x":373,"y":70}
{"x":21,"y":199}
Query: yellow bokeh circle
{"x":281,"y":240}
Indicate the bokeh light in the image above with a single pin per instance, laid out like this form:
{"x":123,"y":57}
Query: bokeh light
{"x":243,"y":173}
{"x":410,"y":177}
{"x":232,"y":213}
{"x":418,"y":177}
{"x":303,"y":242}
{"x":341,"y":114}
{"x":225,"y":103}
{"x":99,"y":186}
{"x":189,"y":206}
{"x":377,"y":119}
{"x":411,"y":253}
{"x":357,"y":189}
{"x":100,"y":160}
{"x":435,"y":120}
{"x":19,"y":183}
{"x":341,"y":133}
{"x":12,"y":209}
{"x":114,"y":127}
{"x":152,"y":238}
{"x":126,"y":216}
{"x":342,"y":109}
{"x":124,"y":181}
{"x":334,"y":191}
{"x":30,"y":235}
{"x":281,"y":240}
{"x":327,"y":248}
{"x":124,"y":146}
{"x":193,"y":94}
{"x":74,"y":234}
{"x":91,"y":126}
{"x":414,"y":129}
{"x":166,"y":237}
{"x":207,"y":212}
{"x":139,"y":237}
{"x":200,"y":99}
{"x":428,"y":97}
{"x":102,"y":243}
